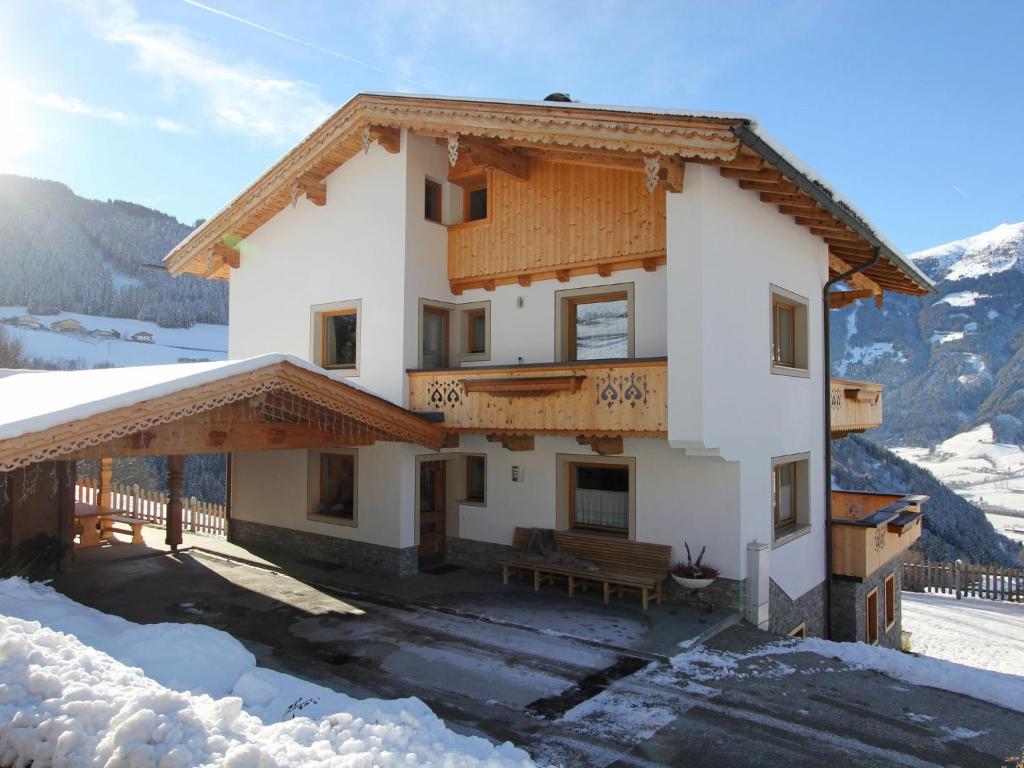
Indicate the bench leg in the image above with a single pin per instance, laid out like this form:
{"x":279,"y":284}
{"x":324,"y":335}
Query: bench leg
{"x":504,"y":575}
{"x":137,"y":534}
{"x":644,"y":591}
{"x":606,"y":593}
{"x":572,"y":585}
{"x":657,"y":594}
{"x":536,"y":581}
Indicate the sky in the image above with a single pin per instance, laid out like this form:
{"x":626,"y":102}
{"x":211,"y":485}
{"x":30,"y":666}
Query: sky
{"x":912,"y":110}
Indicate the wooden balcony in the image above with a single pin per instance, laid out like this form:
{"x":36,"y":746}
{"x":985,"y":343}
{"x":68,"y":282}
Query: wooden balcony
{"x":856,"y":406}
{"x":593,"y":399}
{"x":870,"y":529}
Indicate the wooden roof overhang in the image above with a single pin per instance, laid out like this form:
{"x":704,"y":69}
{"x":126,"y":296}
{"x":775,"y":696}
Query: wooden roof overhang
{"x":276,"y":407}
{"x":516,"y":131}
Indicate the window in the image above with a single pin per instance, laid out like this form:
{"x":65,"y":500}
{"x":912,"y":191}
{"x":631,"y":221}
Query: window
{"x":890,"y":601}
{"x":474,"y":201}
{"x":599,"y":497}
{"x":871,"y":617}
{"x":337,"y":486}
{"x":785,"y":499}
{"x":435,"y":337}
{"x":339,"y":337}
{"x":432,"y":201}
{"x":595,"y":324}
{"x":788,"y":333}
{"x":476,"y":331}
{"x":476,"y":479}
{"x":790,"y":501}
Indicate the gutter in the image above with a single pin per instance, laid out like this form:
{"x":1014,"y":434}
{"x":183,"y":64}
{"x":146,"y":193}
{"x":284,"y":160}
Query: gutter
{"x":827,"y":385}
{"x":822,"y":197}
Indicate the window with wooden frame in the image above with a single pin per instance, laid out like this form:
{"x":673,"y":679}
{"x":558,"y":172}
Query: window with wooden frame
{"x":871,"y":617}
{"x":337,"y":486}
{"x":476,"y":479}
{"x":474,"y":200}
{"x":597,"y":326}
{"x":432,"y":209}
{"x":434,"y":350}
{"x":599,"y":496}
{"x":783,"y":333}
{"x":339,"y":337}
{"x":475,"y":321}
{"x":890,"y":601}
{"x":785,"y":495}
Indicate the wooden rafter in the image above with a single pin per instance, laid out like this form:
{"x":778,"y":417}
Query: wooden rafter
{"x":492,"y":155}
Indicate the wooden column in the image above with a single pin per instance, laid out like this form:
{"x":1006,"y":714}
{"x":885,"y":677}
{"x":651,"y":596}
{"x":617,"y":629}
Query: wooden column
{"x":104,"y":485}
{"x":175,"y":474}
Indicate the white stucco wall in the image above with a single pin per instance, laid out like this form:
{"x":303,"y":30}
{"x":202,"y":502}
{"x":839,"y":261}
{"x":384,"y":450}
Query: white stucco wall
{"x":726,"y":248}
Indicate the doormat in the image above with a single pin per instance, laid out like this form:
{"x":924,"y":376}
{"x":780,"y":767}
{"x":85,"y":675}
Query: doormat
{"x":440,"y":570}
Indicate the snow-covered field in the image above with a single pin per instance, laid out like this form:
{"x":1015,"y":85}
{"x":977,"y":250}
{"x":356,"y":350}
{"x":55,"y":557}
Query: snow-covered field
{"x":986,"y":634}
{"x":978,"y":468}
{"x":80,"y":687}
{"x":170,"y":345}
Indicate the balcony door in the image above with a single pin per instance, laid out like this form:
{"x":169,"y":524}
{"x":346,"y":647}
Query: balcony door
{"x":435,"y":337}
{"x":432,"y":510}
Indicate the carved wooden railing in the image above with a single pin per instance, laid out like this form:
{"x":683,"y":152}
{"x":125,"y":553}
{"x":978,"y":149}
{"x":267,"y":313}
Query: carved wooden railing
{"x":856,"y":406}
{"x":598,"y":398}
{"x":870,"y":529}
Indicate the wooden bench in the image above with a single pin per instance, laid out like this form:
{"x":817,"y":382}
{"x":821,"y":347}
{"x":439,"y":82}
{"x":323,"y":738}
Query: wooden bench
{"x":129,"y":526}
{"x":621,"y":563}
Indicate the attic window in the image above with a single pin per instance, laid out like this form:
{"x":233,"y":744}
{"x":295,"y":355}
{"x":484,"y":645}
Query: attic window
{"x":432,"y":201}
{"x":475,"y":201}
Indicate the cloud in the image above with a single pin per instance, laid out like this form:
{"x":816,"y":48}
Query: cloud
{"x":235,"y":97}
{"x":76,"y":106}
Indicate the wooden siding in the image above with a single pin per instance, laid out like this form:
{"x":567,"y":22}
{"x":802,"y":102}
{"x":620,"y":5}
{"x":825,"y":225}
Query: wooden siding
{"x":860,"y":550}
{"x":627,"y":398}
{"x":566,"y":217}
{"x":856,"y":406}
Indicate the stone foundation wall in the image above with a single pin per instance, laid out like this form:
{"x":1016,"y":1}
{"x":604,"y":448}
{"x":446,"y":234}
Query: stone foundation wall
{"x":723,"y":594}
{"x":484,"y":555}
{"x":849,"y":606}
{"x":358,"y":555}
{"x":785,"y":614}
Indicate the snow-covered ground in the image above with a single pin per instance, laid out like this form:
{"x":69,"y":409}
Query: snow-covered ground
{"x":975,"y":466}
{"x":986,"y":634}
{"x":80,"y":687}
{"x":170,"y":345}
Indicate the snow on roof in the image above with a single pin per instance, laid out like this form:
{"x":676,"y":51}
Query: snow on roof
{"x":32,"y":401}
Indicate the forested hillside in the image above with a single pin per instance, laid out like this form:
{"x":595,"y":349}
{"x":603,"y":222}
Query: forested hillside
{"x":61,"y":252}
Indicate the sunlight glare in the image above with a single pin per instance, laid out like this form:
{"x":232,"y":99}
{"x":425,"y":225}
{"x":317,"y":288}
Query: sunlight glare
{"x":18,"y":136}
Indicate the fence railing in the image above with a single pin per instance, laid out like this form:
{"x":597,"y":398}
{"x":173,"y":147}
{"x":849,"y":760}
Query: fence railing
{"x":965,"y":580}
{"x":144,"y":504}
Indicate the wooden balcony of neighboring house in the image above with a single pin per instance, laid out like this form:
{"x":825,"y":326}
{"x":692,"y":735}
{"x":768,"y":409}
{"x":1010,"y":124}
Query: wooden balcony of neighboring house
{"x":600,"y":401}
{"x":870,"y":529}
{"x":856,"y":406}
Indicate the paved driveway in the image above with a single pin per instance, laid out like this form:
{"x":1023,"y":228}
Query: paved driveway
{"x":599,"y":698}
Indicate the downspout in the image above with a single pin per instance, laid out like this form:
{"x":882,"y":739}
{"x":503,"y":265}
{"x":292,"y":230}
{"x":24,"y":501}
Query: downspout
{"x":827,"y":384}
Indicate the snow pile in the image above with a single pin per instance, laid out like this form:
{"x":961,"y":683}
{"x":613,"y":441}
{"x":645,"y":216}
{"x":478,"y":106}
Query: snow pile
{"x":962,"y":299}
{"x":941,"y":337}
{"x":988,"y":253}
{"x":977,"y":633}
{"x":65,"y":702}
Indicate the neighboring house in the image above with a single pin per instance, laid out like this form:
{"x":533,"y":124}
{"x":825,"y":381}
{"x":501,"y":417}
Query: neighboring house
{"x":67,"y":325}
{"x":144,"y":336}
{"x":107,"y":333}
{"x":29,"y":322}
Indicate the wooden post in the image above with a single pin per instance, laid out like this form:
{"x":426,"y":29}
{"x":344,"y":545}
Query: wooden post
{"x":175,"y":473}
{"x":959,"y":578}
{"x":104,"y":485}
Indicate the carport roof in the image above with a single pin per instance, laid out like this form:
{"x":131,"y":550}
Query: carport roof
{"x":57,"y":414}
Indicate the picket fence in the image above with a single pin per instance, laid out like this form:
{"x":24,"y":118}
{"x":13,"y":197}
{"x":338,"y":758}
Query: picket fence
{"x":965,"y":580}
{"x":144,"y":504}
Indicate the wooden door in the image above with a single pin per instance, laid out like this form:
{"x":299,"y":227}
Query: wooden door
{"x":433,"y":537}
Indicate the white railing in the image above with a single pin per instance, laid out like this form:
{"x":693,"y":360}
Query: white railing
{"x":144,"y":504}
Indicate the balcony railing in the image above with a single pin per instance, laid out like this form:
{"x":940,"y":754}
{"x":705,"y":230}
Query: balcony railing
{"x":870,"y":529}
{"x":856,"y":406}
{"x":601,"y":398}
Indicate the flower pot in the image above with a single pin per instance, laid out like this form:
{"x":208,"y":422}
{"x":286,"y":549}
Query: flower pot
{"x":691,"y":583}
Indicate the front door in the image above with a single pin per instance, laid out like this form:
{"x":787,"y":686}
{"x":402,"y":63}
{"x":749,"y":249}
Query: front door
{"x":433,"y":538}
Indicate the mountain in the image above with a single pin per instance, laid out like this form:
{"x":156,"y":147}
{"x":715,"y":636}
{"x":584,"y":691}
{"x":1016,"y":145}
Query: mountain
{"x":63,"y":253}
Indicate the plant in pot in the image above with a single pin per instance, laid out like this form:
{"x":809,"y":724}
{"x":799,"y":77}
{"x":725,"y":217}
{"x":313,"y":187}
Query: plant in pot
{"x":694,"y":574}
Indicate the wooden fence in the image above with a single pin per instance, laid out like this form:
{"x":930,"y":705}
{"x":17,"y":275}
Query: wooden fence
{"x":965,"y":580}
{"x":197,"y":516}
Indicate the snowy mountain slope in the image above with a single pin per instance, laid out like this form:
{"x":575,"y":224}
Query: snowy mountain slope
{"x":988,"y":253}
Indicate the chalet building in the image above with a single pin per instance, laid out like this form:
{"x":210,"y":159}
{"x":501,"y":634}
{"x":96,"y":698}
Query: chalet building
{"x":28,"y":322}
{"x":453,"y":321}
{"x":68,"y":325}
{"x":143,"y":336}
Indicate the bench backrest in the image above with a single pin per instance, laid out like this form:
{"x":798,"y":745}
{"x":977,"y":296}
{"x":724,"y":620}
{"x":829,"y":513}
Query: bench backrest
{"x":620,"y":554}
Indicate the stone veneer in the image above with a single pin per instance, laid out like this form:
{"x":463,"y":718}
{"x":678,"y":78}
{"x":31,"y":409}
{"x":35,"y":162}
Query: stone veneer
{"x":849,"y":606}
{"x":723,"y":594}
{"x":786,"y":614}
{"x":483,"y":555}
{"x":373,"y":558}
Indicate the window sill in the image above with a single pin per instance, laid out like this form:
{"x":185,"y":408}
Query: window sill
{"x":783,"y":370}
{"x":474,"y":357}
{"x":790,"y":533}
{"x":469,"y":224}
{"x":333,"y":520}
{"x":473,"y":503}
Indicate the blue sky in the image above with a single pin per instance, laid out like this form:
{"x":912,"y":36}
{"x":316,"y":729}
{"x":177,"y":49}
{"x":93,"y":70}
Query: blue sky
{"x":913,"y":110}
